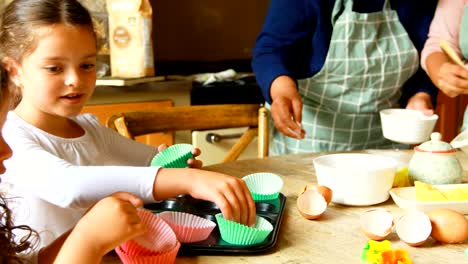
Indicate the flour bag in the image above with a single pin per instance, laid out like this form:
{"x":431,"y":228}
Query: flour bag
{"x":131,"y":47}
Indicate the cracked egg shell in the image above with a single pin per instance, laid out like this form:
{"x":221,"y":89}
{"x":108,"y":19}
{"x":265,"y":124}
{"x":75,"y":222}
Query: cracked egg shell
{"x":448,"y":226}
{"x":376,"y":223}
{"x":324,"y":190}
{"x":414,"y":228}
{"x":311,"y":204}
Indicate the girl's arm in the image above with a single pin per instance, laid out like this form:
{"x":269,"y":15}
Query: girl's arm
{"x":416,"y":19}
{"x":93,"y":237}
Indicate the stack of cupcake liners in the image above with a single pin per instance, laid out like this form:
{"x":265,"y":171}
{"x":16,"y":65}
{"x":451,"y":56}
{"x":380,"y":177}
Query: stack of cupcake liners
{"x":158,"y":244}
{"x":175,"y":156}
{"x":264,"y":185}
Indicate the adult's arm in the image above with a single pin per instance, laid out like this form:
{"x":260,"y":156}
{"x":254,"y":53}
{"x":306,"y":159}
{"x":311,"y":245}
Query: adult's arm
{"x":416,"y":19}
{"x":444,"y":26}
{"x":281,"y":47}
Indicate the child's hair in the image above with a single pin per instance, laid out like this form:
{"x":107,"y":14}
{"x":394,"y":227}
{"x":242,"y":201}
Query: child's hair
{"x":21,"y":20}
{"x":10,"y":248}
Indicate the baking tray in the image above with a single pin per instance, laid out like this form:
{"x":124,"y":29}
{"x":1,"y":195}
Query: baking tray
{"x":271,"y":210}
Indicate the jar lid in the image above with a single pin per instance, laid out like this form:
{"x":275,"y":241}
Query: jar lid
{"x":435,"y":145}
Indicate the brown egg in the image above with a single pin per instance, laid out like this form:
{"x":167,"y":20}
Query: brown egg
{"x":324,"y":190}
{"x":376,"y":223}
{"x":448,"y":226}
{"x":311,"y":204}
{"x":414,"y":228}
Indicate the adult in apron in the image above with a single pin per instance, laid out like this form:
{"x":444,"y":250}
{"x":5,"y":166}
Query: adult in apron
{"x":369,"y":59}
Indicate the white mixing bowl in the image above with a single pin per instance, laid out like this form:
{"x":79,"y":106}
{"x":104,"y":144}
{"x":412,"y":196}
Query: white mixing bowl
{"x":356,"y":179}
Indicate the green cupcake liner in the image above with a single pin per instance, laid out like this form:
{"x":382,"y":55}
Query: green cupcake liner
{"x":264,"y":185}
{"x":175,"y":156}
{"x":238,"y":234}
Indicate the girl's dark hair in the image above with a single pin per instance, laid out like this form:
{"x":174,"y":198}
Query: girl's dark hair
{"x":22,"y":18}
{"x":10,"y":247}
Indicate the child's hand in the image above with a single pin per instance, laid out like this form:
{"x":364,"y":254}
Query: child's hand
{"x":110,"y":222}
{"x":229,"y":193}
{"x":193,"y":162}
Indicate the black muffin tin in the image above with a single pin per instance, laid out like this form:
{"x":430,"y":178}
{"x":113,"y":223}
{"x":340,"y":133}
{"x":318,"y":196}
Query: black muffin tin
{"x":271,"y":210}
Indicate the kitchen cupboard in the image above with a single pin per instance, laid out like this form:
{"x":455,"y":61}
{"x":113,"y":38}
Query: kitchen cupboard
{"x":104,"y":111}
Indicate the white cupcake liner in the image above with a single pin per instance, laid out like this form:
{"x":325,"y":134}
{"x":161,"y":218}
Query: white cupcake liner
{"x":264,"y":185}
{"x":188,"y":227}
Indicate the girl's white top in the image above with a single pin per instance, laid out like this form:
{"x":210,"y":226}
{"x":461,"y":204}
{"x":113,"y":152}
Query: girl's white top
{"x":54,"y":180}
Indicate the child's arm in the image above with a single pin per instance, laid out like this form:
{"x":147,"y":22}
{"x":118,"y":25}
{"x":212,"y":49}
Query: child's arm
{"x":93,"y":236}
{"x":229,"y":193}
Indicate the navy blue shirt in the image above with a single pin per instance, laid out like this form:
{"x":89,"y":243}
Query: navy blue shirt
{"x":296,"y":35}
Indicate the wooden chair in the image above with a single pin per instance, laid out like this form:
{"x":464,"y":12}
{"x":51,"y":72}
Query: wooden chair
{"x":199,"y":117}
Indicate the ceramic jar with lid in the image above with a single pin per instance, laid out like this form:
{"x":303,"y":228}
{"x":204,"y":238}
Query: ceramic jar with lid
{"x":434,"y":162}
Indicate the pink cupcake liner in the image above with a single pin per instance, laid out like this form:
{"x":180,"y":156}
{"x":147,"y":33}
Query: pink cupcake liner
{"x":158,"y":238}
{"x":188,"y":227}
{"x":167,"y":257}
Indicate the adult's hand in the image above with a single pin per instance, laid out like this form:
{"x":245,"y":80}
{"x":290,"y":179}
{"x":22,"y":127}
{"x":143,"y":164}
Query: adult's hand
{"x":286,"y":108}
{"x":450,"y":78}
{"x":421,"y":101}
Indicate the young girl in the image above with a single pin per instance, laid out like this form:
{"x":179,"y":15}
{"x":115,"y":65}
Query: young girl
{"x":64,"y":162}
{"x":84,"y":244}
{"x":450,"y":23}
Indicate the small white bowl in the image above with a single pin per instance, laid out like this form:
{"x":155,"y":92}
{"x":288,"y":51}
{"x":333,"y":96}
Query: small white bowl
{"x":407,"y":126}
{"x":355,"y":178}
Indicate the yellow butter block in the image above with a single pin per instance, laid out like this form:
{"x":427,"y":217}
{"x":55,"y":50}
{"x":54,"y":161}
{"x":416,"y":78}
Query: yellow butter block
{"x":401,"y":178}
{"x":428,"y":193}
{"x":458,"y":194}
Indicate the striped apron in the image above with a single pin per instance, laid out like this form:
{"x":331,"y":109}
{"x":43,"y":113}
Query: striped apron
{"x":369,"y":59}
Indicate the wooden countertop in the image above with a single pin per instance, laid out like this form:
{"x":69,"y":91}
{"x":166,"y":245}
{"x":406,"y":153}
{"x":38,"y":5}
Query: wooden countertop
{"x":335,"y":237}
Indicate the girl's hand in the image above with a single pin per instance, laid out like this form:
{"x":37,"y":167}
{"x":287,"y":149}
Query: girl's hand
{"x":421,"y":101}
{"x":286,"y":107}
{"x":452,"y":79}
{"x":192,"y":162}
{"x":110,"y":222}
{"x":229,"y":193}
